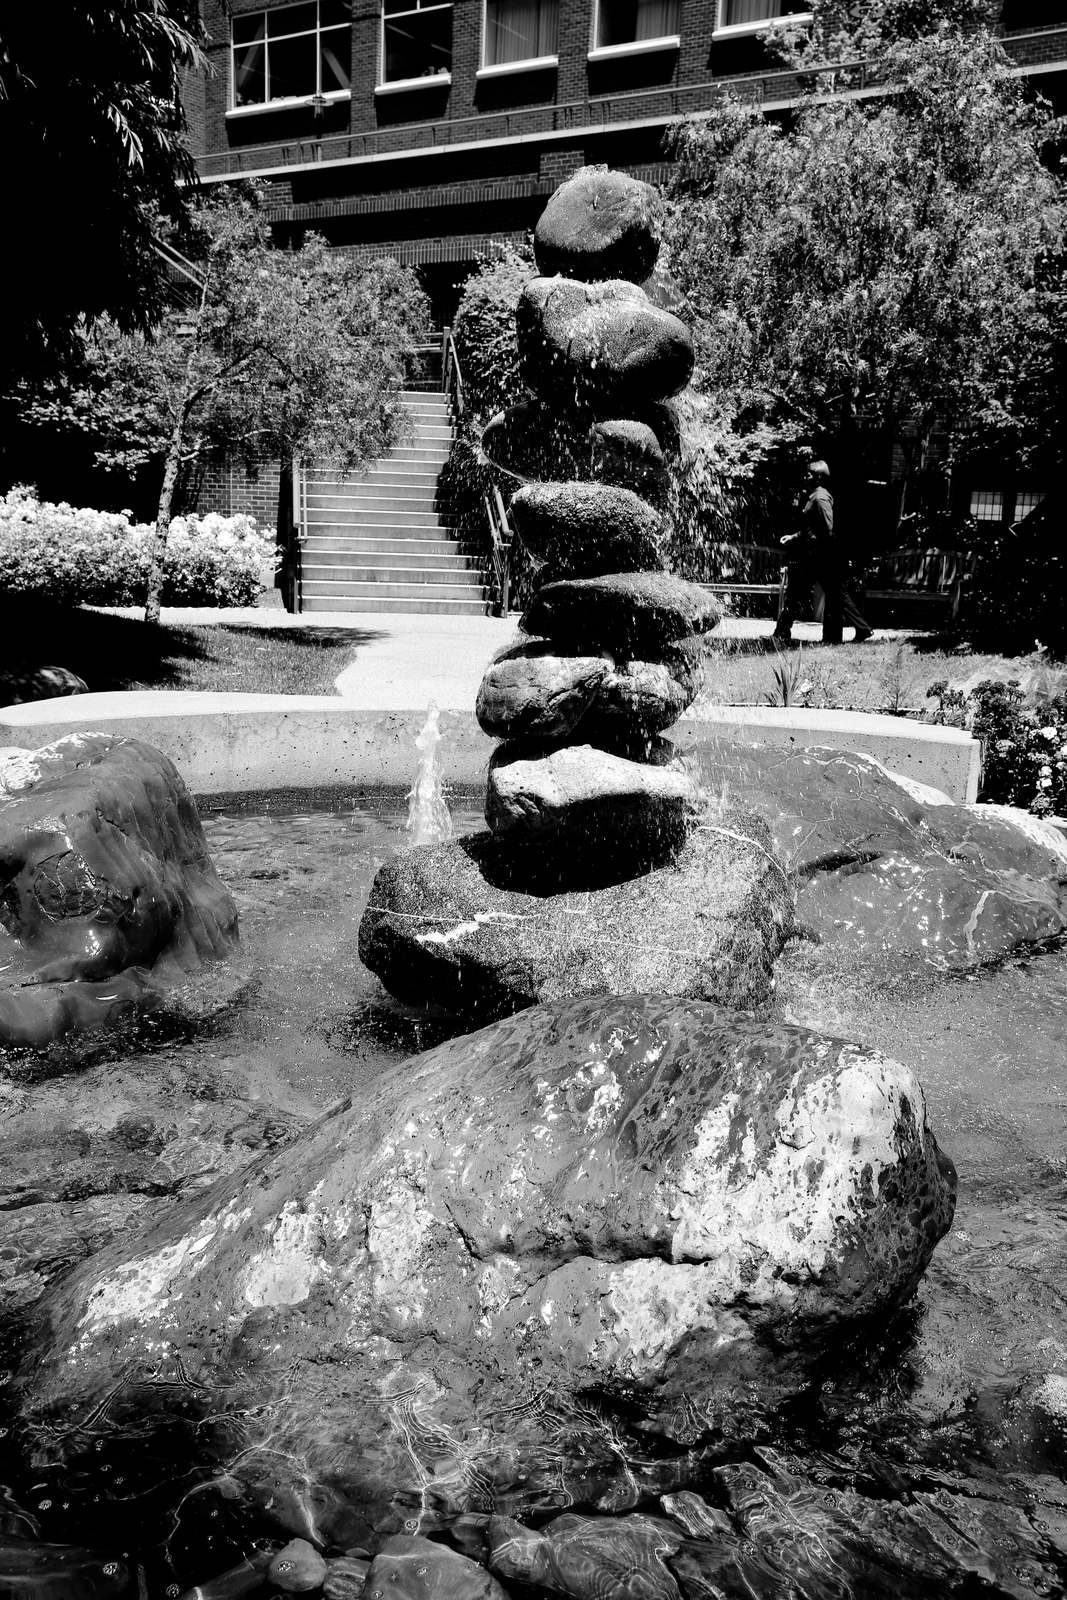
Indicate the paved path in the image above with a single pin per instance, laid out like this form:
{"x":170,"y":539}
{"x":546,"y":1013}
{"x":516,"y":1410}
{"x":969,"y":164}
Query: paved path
{"x":409,"y":661}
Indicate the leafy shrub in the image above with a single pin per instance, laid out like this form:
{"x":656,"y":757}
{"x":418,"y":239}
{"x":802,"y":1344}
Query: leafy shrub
{"x":78,"y":556}
{"x":1023,"y":736}
{"x":484,"y":331}
{"x":1014,"y":602}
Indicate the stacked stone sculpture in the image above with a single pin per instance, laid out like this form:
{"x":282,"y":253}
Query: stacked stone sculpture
{"x":600,"y":874}
{"x":610,"y":653}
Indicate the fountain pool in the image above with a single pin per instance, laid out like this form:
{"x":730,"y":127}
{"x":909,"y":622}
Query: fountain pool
{"x":931,"y":1459}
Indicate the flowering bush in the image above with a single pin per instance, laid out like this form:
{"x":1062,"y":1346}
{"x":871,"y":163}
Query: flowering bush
{"x":1023,"y":731}
{"x":79,"y":556}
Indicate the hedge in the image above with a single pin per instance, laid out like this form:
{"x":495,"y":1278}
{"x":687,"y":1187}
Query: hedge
{"x":75,"y":556}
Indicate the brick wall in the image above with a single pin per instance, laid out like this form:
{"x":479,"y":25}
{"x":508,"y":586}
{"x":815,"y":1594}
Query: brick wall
{"x":230,"y":491}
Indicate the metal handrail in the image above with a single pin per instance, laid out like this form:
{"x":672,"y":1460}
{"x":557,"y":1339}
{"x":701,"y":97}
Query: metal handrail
{"x":451,"y":374}
{"x":499,"y":554}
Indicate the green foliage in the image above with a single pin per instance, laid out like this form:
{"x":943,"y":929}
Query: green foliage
{"x":89,"y":100}
{"x":68,"y":556}
{"x":1015,"y":601}
{"x":1023,"y":731}
{"x":484,"y":331}
{"x":847,"y":31}
{"x":866,"y":274}
{"x":284,"y":354}
{"x":788,"y":680}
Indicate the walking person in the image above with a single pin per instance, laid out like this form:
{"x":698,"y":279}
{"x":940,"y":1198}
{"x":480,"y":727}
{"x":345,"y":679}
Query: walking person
{"x":814,"y":555}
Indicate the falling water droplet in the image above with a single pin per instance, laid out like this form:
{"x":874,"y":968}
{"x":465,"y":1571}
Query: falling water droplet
{"x":429,"y":820}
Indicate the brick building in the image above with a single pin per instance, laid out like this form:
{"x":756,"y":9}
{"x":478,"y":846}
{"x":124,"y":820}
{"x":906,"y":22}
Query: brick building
{"x":429,"y":130}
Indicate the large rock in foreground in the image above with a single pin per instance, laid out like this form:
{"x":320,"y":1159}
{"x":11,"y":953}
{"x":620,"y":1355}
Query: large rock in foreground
{"x":636,"y":1198}
{"x":107,"y":884}
{"x":452,"y":925}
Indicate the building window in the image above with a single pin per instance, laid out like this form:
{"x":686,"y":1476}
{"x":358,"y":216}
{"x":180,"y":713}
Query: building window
{"x":1025,"y":501}
{"x":292,"y":53}
{"x":623,"y":22}
{"x":416,"y":40}
{"x":987,"y":505}
{"x":752,"y":15}
{"x":520,"y":30}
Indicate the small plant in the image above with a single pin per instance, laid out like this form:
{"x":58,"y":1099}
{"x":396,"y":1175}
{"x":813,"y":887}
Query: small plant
{"x":790,"y":689}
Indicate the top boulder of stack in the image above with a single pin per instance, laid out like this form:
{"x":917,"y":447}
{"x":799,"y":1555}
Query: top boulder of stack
{"x":599,"y":224}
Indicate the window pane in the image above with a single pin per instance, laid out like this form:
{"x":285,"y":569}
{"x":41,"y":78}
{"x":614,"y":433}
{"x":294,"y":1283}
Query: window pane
{"x":517,"y":30}
{"x":291,"y":67}
{"x":292,"y":19}
{"x":418,"y":45}
{"x":336,"y":56}
{"x":250,"y":75}
{"x":335,"y":14}
{"x":1025,"y":501}
{"x":627,"y":21}
{"x":987,"y":505}
{"x":247,"y":29}
{"x":738,"y":11}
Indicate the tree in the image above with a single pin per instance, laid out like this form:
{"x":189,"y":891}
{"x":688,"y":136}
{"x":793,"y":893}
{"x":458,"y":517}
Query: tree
{"x":90,"y":113}
{"x":865,"y":276}
{"x":280,"y":354}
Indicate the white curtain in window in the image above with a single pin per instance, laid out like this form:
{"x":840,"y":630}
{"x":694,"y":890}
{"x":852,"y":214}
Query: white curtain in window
{"x":738,"y":11}
{"x":656,"y":19}
{"x":519,"y":30}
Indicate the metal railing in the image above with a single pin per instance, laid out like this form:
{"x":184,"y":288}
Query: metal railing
{"x":500,"y":537}
{"x":451,"y":376}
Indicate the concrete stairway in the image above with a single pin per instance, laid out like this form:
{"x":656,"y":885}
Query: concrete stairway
{"x":379,"y":543}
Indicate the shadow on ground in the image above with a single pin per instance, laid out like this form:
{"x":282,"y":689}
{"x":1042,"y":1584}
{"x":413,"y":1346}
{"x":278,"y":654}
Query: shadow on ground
{"x":111,"y":652}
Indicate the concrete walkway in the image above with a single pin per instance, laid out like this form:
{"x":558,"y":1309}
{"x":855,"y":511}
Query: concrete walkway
{"x":409,"y":661}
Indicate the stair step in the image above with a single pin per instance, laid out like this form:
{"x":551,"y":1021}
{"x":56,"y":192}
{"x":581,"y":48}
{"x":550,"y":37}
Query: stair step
{"x":374,"y":496}
{"x":354,"y":590}
{"x":402,"y":607}
{"x":391,"y":542}
{"x":343,"y":517}
{"x":356,"y":562}
{"x":321,"y":571}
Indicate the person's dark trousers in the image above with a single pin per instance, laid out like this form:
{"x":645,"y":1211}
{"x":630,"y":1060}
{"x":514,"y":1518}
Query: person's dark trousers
{"x":799,"y":582}
{"x":840,"y":610}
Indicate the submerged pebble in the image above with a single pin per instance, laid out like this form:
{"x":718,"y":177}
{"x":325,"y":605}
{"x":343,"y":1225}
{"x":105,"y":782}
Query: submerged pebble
{"x":297,"y":1567}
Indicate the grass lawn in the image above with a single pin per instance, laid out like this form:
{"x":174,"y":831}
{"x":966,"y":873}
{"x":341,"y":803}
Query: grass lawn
{"x":887,"y":675}
{"x":120,"y":653}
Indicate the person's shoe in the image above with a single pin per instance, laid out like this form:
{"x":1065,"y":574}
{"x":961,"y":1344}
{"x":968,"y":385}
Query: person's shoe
{"x":782,"y":638}
{"x":862,"y":635}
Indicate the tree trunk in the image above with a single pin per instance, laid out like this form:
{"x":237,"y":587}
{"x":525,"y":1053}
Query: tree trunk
{"x":166,"y":501}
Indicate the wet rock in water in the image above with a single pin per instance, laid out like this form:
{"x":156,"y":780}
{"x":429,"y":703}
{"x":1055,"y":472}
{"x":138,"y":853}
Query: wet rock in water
{"x":297,"y":1567}
{"x":635,"y":615}
{"x":781,"y":1533}
{"x":456,"y":926}
{"x":346,"y":1578}
{"x":628,"y":453}
{"x":411,"y":1568}
{"x":18,"y":685}
{"x":538,"y":695}
{"x":602,"y":345}
{"x":108,"y":885}
{"x":62,"y":1572}
{"x":639,"y":1197}
{"x":884,"y":876}
{"x":599,"y":224}
{"x":248,"y":1577}
{"x":584,"y":530}
{"x":588,"y":1557}
{"x":600,"y":803}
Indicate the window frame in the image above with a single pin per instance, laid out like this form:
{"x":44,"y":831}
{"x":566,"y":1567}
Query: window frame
{"x":633,"y":47}
{"x":506,"y":68}
{"x":746,"y":30}
{"x":405,"y":85}
{"x":289,"y":101}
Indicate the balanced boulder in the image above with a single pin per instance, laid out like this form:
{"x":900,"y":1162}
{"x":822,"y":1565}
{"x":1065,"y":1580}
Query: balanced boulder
{"x":459,"y":925}
{"x":604,"y":803}
{"x":599,"y":344}
{"x":599,"y":224}
{"x":628,"y":453}
{"x":584,"y":530}
{"x":538,"y":695}
{"x":635,"y":615}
